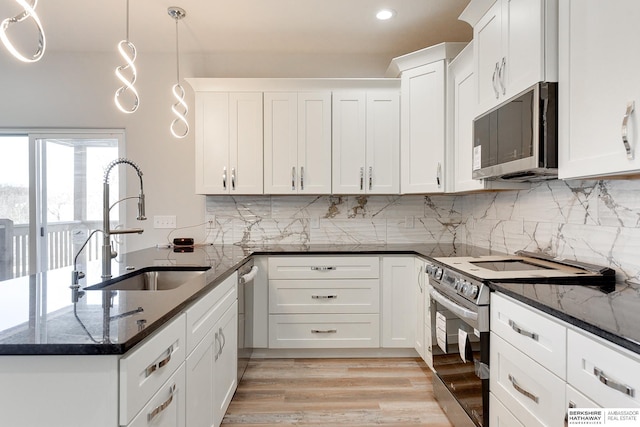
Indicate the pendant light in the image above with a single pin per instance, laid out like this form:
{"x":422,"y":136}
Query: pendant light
{"x":179,"y":126}
{"x":128,"y":52}
{"x":28,"y":12}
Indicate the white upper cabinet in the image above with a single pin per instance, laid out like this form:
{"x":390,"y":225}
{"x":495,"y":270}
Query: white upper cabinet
{"x":515,"y":46}
{"x":462,"y":109}
{"x":366,"y":142}
{"x":423,"y":116}
{"x":599,"y":88}
{"x":229,"y":143}
{"x":297,"y":142}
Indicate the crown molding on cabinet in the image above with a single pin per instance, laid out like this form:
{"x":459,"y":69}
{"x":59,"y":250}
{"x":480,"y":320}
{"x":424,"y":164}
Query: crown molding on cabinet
{"x":420,"y":57}
{"x":475,"y":10}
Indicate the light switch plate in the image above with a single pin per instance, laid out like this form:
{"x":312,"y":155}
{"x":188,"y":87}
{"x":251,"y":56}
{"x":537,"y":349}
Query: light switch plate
{"x":164,"y":221}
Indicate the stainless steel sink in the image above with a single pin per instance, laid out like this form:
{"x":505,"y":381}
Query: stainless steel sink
{"x":151,"y":280}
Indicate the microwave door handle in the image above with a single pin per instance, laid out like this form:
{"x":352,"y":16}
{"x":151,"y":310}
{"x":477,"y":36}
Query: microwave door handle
{"x":452,"y":306}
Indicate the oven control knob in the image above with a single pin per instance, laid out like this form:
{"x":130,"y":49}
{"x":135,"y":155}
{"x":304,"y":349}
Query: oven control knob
{"x":438,"y":273}
{"x":456,"y":284}
{"x":429,"y":269}
{"x":473,"y":291}
{"x":464,"y":286}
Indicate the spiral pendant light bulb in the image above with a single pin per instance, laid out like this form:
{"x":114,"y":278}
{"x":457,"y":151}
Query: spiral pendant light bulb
{"x":29,"y":12}
{"x":127,"y":51}
{"x":179,"y":126}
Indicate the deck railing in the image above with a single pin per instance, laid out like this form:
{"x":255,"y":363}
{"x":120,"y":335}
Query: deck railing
{"x":61,"y":247}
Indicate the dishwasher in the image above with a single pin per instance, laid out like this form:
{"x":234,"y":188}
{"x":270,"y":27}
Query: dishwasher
{"x":246,"y":273}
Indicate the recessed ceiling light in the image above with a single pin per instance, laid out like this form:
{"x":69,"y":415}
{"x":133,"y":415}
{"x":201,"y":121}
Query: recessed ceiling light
{"x":385,"y":14}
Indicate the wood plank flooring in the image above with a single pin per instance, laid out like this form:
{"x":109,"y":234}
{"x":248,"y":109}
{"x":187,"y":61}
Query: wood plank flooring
{"x":336,"y":392}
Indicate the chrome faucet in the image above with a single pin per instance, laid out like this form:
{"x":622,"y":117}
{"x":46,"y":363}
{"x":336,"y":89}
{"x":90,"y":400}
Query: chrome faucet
{"x":107,"y":250}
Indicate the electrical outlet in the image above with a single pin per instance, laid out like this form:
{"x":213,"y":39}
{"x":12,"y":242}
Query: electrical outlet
{"x":210,"y":220}
{"x":164,"y":221}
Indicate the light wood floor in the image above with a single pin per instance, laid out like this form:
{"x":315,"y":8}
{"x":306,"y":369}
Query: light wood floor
{"x":331,"y":392}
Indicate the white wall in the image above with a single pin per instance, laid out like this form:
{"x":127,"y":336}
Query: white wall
{"x":66,"y":90}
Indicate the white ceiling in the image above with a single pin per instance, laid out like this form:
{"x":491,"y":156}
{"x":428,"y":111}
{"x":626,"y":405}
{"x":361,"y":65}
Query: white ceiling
{"x":228,"y":26}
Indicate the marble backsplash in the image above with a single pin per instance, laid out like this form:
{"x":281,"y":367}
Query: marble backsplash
{"x":591,"y":221}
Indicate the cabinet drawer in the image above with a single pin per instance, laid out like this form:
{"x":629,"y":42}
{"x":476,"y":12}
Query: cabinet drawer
{"x":592,"y":362}
{"x":532,"y":393}
{"x":324,"y":296}
{"x":203,"y":314}
{"x":324,"y":267}
{"x":324,"y":331}
{"x":145,"y":369}
{"x":499,"y":416}
{"x":531,"y":331}
{"x":167,"y":407}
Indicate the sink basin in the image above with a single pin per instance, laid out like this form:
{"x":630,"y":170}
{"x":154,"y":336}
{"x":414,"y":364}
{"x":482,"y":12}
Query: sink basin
{"x":151,"y":280}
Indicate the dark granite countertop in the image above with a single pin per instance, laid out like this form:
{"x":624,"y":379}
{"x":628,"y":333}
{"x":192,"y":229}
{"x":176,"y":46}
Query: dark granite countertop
{"x":37,"y":316}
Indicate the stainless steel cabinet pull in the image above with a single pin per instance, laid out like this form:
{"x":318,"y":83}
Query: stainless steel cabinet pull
{"x":324,"y":268}
{"x":325,"y":331}
{"x":224,"y":339}
{"x":494,"y":80}
{"x":216,"y":339}
{"x":625,"y":130}
{"x":224,"y":178}
{"x":361,"y":178}
{"x":301,"y":177}
{"x":155,"y":366}
{"x":613,"y":384}
{"x":501,"y":74}
{"x":324,"y":296}
{"x":439,"y":174}
{"x":293,"y":178}
{"x":151,"y":415}
{"x":521,"y":331}
{"x":523,"y":391}
{"x":233,"y":178}
{"x":420,"y":277}
{"x":370,"y":177}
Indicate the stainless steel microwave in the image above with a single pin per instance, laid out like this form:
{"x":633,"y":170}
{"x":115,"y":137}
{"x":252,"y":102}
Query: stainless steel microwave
{"x":518,"y":140}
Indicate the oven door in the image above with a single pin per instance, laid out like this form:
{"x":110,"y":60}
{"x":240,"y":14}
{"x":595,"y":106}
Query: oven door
{"x":460,"y":360}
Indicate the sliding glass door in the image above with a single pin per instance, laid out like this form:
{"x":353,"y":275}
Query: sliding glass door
{"x":51,"y":198}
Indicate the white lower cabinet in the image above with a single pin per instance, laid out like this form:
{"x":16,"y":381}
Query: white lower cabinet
{"x":398,"y":302}
{"x":499,"y":416}
{"x":211,"y":368}
{"x":167,"y":407}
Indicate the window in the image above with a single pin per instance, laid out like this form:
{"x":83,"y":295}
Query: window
{"x":51,"y":197}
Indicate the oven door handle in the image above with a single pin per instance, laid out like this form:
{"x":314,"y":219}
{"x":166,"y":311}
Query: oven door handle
{"x":459,"y":310}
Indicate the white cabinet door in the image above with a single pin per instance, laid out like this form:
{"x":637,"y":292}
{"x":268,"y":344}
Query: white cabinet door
{"x":280,"y":142}
{"x":200,"y":379}
{"x":349,"y":142}
{"x":419,"y":302}
{"x":167,"y":407}
{"x":598,"y":80}
{"x":314,"y":143}
{"x":229,"y":143}
{"x":487,"y":40}
{"x":398,"y":302}
{"x":297,"y":143}
{"x":245,"y":142}
{"x":225,"y":370}
{"x":212,"y":142}
{"x":383,"y":142}
{"x":423,"y":129}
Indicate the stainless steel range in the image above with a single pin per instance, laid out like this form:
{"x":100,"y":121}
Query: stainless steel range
{"x":460,"y":320}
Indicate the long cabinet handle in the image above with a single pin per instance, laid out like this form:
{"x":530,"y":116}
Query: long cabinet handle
{"x":216,"y":339}
{"x":233,"y":178}
{"x":151,"y":415}
{"x":301,"y":177}
{"x":521,"y":390}
{"x":494,"y":80}
{"x":322,"y":268}
{"x":524,"y":332}
{"x":324,"y":331}
{"x":361,"y":179}
{"x":439,"y":174}
{"x":224,"y":178}
{"x":623,"y":388}
{"x":625,"y":121}
{"x":155,"y":366}
{"x":293,"y":178}
{"x":419,"y":279}
{"x":324,"y":296}
{"x":501,"y":75}
{"x":370,"y":177}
